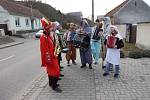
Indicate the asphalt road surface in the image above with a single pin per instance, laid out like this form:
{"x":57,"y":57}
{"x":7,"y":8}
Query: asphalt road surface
{"x":19,"y":65}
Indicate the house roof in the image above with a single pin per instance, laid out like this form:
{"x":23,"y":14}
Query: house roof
{"x":17,"y":9}
{"x":116,"y":9}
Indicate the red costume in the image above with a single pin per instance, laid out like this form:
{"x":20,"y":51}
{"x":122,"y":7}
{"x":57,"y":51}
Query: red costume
{"x":49,"y":60}
{"x":47,"y":56}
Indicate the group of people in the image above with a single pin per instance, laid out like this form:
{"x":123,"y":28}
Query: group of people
{"x":83,"y":37}
{"x":90,"y":42}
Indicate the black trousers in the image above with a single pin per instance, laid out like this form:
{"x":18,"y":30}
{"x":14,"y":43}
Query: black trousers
{"x":53,"y":81}
{"x":59,"y":58}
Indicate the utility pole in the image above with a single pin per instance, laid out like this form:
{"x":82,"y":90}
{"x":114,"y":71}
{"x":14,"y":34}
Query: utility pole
{"x":93,"y":10}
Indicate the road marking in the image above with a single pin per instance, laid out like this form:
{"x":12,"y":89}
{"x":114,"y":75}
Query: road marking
{"x":6,"y":58}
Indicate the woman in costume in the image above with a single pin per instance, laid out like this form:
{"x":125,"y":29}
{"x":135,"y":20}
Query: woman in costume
{"x":114,"y":43}
{"x":85,"y":49}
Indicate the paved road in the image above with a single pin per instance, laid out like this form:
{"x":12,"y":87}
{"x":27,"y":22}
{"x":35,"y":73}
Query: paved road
{"x":19,"y":65}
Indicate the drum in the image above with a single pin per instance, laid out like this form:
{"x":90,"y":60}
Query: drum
{"x":81,"y":41}
{"x":78,"y":40}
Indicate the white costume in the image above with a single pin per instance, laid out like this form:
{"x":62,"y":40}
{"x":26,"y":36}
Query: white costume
{"x":113,"y":54}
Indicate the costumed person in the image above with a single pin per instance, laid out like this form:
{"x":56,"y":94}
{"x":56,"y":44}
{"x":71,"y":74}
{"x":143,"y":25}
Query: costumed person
{"x":113,"y":42}
{"x":96,"y":41}
{"x":69,"y":35}
{"x":85,"y":50}
{"x":57,"y":39}
{"x":106,"y":32}
{"x":48,"y":56}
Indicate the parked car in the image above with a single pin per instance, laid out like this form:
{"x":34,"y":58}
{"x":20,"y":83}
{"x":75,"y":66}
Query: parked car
{"x":39,"y":33}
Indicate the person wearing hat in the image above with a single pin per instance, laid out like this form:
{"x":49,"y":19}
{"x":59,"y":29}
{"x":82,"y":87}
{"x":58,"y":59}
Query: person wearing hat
{"x":85,"y":50}
{"x":56,"y":34}
{"x":48,"y":58}
{"x":113,"y":42}
{"x":69,"y":35}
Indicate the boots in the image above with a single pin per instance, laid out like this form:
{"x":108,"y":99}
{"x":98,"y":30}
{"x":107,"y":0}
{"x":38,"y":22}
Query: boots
{"x":84,"y":65}
{"x":61,"y":75}
{"x":50,"y":78}
{"x":55,"y":86}
{"x":68,"y":63}
{"x":61,"y":67}
{"x":90,"y":66}
{"x":74,"y":62}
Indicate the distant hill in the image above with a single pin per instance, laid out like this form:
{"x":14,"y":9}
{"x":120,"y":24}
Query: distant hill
{"x":50,"y":12}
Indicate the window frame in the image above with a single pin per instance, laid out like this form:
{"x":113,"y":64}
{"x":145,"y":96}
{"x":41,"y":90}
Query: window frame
{"x":27,"y":22}
{"x":17,"y":22}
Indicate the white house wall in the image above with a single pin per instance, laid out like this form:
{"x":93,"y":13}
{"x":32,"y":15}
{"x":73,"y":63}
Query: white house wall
{"x":143,"y":36}
{"x":4,"y":16}
{"x":133,"y":12}
{"x":122,"y":30}
{"x":22,"y":23}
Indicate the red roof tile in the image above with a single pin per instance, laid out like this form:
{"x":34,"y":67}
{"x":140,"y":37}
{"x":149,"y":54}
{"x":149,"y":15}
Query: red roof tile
{"x":17,"y":9}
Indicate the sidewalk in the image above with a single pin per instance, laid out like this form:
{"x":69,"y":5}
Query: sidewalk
{"x":86,"y":84}
{"x":16,"y":40}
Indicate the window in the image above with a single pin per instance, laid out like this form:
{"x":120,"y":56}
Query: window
{"x":27,"y":22}
{"x":17,"y":22}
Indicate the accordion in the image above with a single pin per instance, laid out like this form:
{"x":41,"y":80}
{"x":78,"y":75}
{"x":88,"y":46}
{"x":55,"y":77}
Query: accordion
{"x":111,"y":41}
{"x":79,"y":41}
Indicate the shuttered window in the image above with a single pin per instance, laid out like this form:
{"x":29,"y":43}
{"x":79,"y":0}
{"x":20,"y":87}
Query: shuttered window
{"x":17,"y":22}
{"x":27,"y":22}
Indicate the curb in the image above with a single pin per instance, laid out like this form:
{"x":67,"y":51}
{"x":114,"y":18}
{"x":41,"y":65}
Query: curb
{"x":33,"y":89}
{"x":10,"y":45}
{"x":42,"y":85}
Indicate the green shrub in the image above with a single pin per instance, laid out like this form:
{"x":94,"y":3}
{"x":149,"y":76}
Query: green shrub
{"x":146,"y":53}
{"x":135,"y":54}
{"x":122,"y":55}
